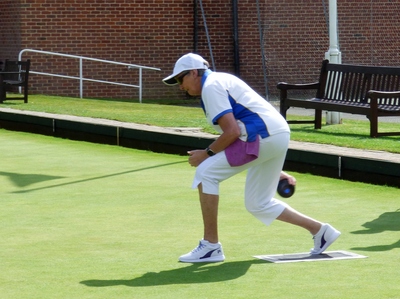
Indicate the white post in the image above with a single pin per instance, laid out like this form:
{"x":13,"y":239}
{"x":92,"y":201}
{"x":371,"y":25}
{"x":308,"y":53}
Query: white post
{"x":81,"y":77}
{"x":140,"y":85}
{"x":333,"y":54}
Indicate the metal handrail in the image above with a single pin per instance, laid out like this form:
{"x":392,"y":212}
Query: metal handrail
{"x":81,"y":78}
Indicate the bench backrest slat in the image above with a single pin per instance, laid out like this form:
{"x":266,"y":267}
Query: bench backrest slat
{"x":350,"y":83}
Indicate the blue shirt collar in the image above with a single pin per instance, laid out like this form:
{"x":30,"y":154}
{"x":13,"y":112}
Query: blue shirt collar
{"x":203,"y":79}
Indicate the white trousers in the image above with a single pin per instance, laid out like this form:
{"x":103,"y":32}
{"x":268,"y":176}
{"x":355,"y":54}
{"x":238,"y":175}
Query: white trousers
{"x":261,"y":180}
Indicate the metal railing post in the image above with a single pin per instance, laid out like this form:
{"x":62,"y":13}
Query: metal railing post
{"x":140,"y":85}
{"x":81,"y":77}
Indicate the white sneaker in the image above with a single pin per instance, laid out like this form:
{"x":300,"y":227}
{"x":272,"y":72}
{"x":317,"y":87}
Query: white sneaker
{"x":206,"y":252}
{"x":325,"y":237}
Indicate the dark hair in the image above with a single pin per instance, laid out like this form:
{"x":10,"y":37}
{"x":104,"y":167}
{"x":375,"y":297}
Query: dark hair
{"x":201,"y":71}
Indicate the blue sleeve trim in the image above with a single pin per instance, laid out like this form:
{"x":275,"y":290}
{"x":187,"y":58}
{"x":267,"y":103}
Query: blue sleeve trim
{"x":215,"y":119}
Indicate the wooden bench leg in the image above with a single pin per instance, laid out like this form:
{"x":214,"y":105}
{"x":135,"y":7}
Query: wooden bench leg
{"x":373,"y":117}
{"x":2,"y":90}
{"x":283,"y":111}
{"x":373,"y":123}
{"x":318,"y":119}
{"x":25,"y":95}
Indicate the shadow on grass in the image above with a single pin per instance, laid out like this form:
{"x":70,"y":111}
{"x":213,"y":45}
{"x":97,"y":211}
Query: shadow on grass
{"x":313,"y":131}
{"x":388,"y":221}
{"x":98,"y":177}
{"x":345,"y":134}
{"x":9,"y":103}
{"x":23,"y":180}
{"x":193,"y":274}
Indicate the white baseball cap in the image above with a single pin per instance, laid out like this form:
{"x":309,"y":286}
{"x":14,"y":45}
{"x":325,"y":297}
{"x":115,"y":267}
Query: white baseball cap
{"x":187,"y":62}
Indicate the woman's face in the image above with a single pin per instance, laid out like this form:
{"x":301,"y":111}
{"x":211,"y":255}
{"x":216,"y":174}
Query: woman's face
{"x":189,"y":82}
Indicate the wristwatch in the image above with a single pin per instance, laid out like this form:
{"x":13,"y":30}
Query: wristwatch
{"x":210,"y":152}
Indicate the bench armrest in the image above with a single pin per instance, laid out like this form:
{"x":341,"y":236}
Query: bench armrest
{"x":375,"y":94}
{"x":8,"y":73}
{"x":3,"y":75}
{"x":283,"y":93}
{"x":287,"y":86}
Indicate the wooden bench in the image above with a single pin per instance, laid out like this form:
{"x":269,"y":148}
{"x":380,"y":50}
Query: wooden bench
{"x":14,"y":74}
{"x":373,"y":91}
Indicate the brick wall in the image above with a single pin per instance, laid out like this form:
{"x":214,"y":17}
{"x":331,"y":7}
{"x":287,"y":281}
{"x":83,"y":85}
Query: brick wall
{"x":296,"y":39}
{"x":10,"y":28}
{"x":125,"y":31}
{"x":157,"y":32}
{"x":371,"y":34}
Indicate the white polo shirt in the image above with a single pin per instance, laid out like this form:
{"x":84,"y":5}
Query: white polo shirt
{"x":223,"y":93}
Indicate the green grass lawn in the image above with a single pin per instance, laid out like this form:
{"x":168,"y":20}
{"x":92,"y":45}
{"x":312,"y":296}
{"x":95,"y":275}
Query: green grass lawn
{"x":351,"y":133}
{"x":83,"y":220}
